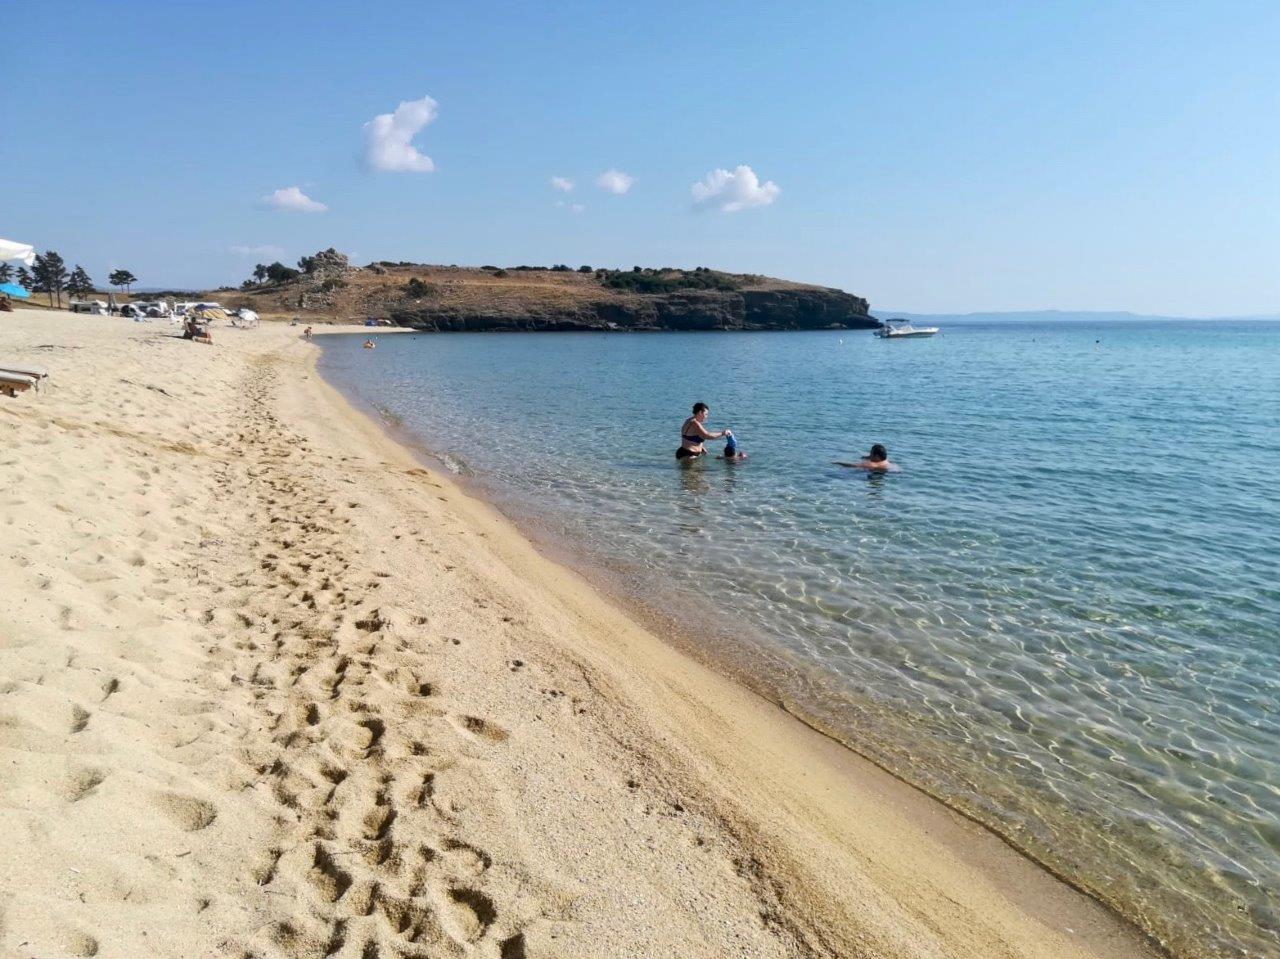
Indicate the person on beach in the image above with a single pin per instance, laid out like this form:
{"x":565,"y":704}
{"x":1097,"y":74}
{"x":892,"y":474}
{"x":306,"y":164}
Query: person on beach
{"x":693,"y":434}
{"x":306,"y":333}
{"x":877,"y":461}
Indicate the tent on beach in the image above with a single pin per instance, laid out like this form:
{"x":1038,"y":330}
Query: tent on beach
{"x":12,"y":289}
{"x":17,"y":251}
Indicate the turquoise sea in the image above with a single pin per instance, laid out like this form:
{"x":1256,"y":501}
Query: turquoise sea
{"x":1062,"y":617}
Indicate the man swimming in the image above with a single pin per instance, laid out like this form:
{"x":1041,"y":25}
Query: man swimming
{"x":877,"y":461}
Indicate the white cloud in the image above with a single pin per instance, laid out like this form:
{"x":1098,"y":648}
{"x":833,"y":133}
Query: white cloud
{"x":615,"y":181}
{"x":731,"y":192}
{"x":266,"y":249}
{"x":562,"y":183}
{"x":293,"y":199}
{"x":577,"y":207}
{"x":387,"y":136}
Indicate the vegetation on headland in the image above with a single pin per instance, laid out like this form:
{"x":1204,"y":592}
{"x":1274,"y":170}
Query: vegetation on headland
{"x":669,"y":279}
{"x":328,"y":261}
{"x":558,"y":297}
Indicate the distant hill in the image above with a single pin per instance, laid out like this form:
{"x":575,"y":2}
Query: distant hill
{"x":539,"y":298}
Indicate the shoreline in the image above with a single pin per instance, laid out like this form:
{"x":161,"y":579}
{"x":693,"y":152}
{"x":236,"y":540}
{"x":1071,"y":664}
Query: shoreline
{"x":556,"y":549}
{"x":735,"y":666}
{"x":345,"y":614}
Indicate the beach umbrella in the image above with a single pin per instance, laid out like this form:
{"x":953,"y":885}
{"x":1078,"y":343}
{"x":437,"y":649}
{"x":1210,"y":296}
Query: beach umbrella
{"x":12,"y":289}
{"x":17,"y":251}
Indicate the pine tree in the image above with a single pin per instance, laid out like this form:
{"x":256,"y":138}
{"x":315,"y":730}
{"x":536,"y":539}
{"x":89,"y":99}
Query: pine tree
{"x":38,"y":284}
{"x":6,"y":273}
{"x":79,"y":284}
{"x":24,"y":278}
{"x":50,"y":273}
{"x":122,"y":278}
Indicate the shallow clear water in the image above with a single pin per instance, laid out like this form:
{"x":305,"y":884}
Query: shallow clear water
{"x":1062,"y":616}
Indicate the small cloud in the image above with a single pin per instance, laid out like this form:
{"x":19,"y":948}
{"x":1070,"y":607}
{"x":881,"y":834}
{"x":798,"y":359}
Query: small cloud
{"x":577,"y":207}
{"x":293,"y":199}
{"x":730,"y":192}
{"x":615,"y":181}
{"x":562,"y":183}
{"x":387,"y":136}
{"x":265,"y":249}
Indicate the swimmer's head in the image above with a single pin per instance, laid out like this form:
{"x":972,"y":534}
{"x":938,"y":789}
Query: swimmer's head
{"x":878,"y":453}
{"x":700,"y":409}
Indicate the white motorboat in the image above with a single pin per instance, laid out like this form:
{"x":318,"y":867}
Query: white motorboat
{"x":902,"y":329}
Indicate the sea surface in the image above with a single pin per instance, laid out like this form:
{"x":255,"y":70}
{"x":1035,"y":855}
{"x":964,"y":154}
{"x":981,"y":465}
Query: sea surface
{"x":1061,"y":617}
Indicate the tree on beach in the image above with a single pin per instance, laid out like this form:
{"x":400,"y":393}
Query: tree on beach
{"x":23,"y":278}
{"x":50,"y":275}
{"x":6,"y":273}
{"x":122,"y":279}
{"x":260,"y":272}
{"x":79,"y":284}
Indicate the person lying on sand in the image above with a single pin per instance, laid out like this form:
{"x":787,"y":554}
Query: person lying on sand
{"x":693,"y":434}
{"x":876,"y":461}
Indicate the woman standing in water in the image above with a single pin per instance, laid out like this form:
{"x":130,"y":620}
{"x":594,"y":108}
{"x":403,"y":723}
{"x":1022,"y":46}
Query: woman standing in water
{"x":693,"y":434}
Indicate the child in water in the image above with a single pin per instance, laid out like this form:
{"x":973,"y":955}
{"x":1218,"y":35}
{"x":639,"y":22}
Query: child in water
{"x":731,"y":451}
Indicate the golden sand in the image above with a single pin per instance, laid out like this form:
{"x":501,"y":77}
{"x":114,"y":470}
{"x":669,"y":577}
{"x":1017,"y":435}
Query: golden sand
{"x":269,"y":687}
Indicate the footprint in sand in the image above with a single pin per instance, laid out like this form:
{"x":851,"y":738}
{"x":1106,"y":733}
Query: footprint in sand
{"x":186,"y":812}
{"x":481,"y":728}
{"x":73,"y":942}
{"x":466,"y":914}
{"x":79,"y":719}
{"x":81,"y":783}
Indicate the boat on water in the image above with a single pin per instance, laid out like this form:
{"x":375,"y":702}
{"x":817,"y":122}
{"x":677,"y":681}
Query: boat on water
{"x":902,"y":329}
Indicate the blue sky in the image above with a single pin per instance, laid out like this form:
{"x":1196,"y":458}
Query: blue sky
{"x":929,"y":156}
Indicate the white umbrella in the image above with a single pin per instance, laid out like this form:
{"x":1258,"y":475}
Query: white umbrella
{"x":17,"y":251}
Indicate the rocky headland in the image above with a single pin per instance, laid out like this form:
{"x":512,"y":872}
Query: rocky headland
{"x":452,"y":298}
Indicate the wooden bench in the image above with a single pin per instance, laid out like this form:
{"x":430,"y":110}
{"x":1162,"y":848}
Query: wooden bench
{"x":19,"y":379}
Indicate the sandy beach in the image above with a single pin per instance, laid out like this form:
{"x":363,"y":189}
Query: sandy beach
{"x":269,"y":686}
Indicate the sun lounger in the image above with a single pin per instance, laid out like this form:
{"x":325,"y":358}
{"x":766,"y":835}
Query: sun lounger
{"x":18,"y":379}
{"x":11,"y":384}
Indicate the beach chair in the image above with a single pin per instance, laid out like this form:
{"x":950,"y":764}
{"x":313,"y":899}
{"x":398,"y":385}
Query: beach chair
{"x":19,"y":379}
